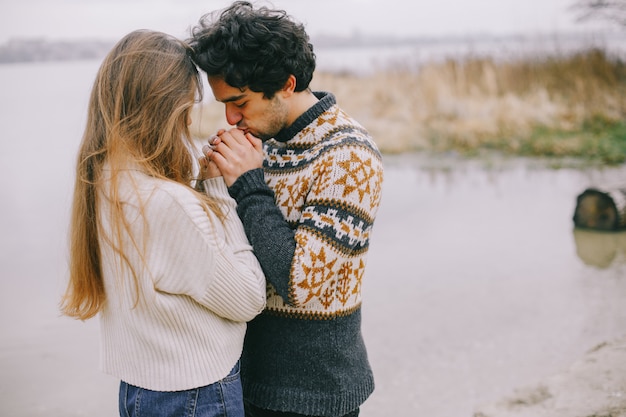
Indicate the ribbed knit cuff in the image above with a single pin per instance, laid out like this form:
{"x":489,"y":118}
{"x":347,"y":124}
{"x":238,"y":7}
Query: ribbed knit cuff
{"x":249,"y":182}
{"x":215,"y":187}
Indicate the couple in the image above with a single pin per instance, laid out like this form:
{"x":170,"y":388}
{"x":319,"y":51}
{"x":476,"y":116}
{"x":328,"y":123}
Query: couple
{"x":275,"y":231}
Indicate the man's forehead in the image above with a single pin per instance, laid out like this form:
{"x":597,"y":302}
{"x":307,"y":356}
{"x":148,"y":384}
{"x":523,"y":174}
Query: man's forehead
{"x":225,"y":92}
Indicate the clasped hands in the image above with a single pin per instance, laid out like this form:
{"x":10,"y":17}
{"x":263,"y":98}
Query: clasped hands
{"x":230,"y":153}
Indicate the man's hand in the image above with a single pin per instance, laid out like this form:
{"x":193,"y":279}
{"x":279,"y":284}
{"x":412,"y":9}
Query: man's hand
{"x":234,"y":153}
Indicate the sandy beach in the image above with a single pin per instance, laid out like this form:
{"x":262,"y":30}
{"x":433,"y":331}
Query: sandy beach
{"x":594,"y":386}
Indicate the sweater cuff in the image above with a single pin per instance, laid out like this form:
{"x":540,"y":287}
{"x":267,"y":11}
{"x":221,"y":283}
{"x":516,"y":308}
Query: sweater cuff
{"x":250,"y":182}
{"x":215,"y":187}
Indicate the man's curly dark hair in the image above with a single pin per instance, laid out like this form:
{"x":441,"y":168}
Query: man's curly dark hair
{"x":254,"y":48}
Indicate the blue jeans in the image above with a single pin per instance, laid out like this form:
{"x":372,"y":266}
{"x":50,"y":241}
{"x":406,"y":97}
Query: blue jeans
{"x":223,"y":398}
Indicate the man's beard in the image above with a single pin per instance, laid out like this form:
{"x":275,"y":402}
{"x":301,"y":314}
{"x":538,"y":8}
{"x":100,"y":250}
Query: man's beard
{"x":276,"y":121}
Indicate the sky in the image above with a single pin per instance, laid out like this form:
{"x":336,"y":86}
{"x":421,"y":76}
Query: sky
{"x":112,"y":19}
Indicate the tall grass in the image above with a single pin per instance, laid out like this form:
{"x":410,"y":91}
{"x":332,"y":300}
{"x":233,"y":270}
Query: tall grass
{"x":560,"y":105}
{"x":557,"y":105}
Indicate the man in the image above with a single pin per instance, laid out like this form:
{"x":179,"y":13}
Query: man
{"x":307,"y":193}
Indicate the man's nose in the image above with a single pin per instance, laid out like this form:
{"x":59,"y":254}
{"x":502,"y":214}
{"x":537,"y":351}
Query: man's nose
{"x":233,"y":115}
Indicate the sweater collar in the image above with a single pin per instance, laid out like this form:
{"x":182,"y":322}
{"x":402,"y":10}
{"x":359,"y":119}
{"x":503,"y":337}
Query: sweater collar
{"x":326,"y":101}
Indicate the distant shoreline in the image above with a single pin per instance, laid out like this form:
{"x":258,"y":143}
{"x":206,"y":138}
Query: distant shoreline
{"x":23,"y":50}
{"x":561,"y":98}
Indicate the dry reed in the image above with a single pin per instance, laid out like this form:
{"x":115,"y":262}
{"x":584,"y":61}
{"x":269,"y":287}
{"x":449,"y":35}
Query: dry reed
{"x":472,"y":103}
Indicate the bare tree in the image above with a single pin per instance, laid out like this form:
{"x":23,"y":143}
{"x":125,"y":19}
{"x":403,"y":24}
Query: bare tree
{"x":608,"y":10}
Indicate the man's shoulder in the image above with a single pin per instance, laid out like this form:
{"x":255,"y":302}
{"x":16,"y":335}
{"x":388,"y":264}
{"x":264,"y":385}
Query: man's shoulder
{"x":347,"y":131}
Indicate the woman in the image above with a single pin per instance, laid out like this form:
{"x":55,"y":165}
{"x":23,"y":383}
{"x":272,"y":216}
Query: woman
{"x":168,"y":269}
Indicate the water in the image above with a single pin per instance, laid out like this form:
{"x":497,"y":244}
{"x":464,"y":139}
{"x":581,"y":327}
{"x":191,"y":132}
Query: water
{"x":477,"y":282}
{"x":370,"y":55}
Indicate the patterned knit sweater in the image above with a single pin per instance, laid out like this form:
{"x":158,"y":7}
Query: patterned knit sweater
{"x":309,"y":215}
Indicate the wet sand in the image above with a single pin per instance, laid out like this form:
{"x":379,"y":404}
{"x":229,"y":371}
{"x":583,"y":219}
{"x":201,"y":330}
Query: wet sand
{"x":593,"y":386}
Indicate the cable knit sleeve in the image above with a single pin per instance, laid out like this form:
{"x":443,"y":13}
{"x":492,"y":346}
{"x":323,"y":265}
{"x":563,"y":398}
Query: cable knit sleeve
{"x":196,"y":254}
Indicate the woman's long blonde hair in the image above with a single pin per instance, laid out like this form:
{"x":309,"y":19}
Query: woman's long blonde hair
{"x":139,"y":112}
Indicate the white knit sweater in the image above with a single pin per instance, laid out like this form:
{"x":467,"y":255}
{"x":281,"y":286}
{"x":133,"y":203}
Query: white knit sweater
{"x":199,"y":286}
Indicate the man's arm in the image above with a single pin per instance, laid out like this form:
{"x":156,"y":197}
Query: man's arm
{"x":269,"y":233}
{"x":319,"y":258}
{"x":300,"y":260}
{"x":239,"y":157}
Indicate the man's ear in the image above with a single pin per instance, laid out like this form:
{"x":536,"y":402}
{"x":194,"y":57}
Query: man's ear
{"x":289,"y":87}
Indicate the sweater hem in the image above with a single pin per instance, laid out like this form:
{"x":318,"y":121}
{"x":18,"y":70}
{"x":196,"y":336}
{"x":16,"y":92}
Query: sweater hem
{"x":308,"y":403}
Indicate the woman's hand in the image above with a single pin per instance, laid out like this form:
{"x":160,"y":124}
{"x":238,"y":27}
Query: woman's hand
{"x":208,"y":168}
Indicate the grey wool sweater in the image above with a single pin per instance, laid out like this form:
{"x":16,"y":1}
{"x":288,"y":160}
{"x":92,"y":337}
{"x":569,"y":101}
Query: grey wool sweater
{"x":309,"y":215}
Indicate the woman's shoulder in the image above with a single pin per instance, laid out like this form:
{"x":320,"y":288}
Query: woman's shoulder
{"x":173,"y":205}
{"x":169,"y":191}
{"x":138,"y":187}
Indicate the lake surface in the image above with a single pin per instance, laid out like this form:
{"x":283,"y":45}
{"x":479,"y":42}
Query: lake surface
{"x":477,"y":282}
{"x":368,"y":55}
